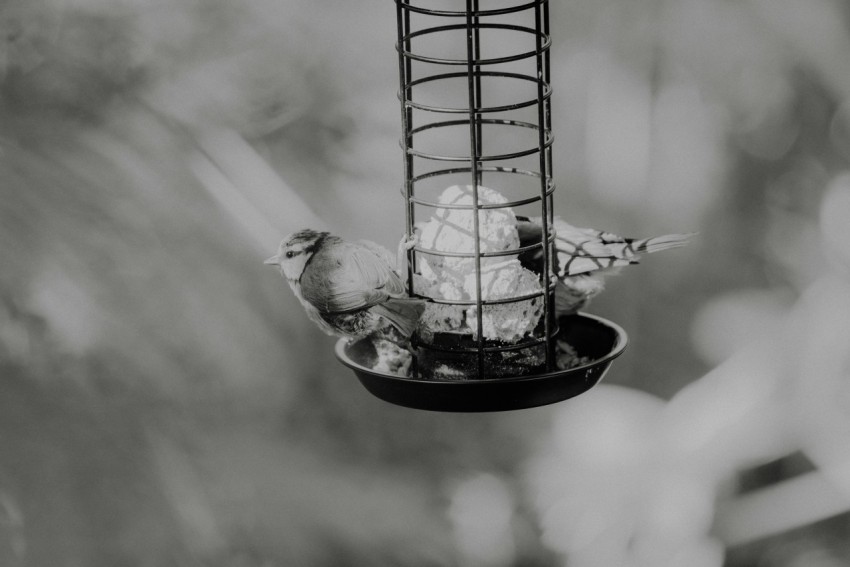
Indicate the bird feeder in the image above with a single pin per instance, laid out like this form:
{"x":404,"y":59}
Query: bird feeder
{"x":475,"y":93}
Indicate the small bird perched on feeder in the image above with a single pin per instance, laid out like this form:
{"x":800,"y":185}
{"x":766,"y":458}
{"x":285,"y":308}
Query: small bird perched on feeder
{"x":349,"y":289}
{"x":584,"y":256}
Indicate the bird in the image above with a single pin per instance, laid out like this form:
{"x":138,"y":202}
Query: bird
{"x":348,"y":289}
{"x":583,"y":257}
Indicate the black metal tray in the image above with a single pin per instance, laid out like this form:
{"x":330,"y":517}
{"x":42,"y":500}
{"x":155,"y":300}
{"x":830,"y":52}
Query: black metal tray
{"x":591,"y":336}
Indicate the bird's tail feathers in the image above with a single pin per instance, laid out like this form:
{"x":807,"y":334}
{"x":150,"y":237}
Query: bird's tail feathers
{"x":402,"y":312}
{"x":659,"y":243}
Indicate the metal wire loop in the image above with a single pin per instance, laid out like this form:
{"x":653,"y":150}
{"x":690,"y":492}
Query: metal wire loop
{"x":407,"y":6}
{"x":545,"y":42}
{"x":480,"y":122}
{"x":547,"y":92}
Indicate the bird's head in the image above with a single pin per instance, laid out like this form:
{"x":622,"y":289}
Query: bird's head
{"x":295,"y":251}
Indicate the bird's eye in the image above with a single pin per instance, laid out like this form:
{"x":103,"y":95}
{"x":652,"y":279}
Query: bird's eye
{"x":290,"y":254}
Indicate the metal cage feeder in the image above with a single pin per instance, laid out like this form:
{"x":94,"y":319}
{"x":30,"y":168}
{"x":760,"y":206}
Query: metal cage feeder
{"x":474,"y":87}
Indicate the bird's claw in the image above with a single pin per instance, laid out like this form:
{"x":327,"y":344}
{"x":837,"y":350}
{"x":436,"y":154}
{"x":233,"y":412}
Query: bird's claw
{"x":405,"y":245}
{"x":409,"y":242}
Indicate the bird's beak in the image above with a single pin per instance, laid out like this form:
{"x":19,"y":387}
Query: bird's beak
{"x":273,"y":261}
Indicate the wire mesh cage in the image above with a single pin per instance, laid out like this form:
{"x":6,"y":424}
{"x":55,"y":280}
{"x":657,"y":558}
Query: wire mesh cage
{"x":457,"y":80}
{"x":475,"y":94}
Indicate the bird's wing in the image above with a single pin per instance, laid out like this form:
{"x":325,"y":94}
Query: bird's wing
{"x":348,"y":277}
{"x":584,"y":250}
{"x":379,"y":251}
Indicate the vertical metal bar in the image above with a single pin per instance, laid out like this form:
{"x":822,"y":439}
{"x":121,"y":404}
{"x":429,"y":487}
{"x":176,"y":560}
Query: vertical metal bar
{"x":479,"y":96}
{"x":474,"y":164}
{"x":404,"y":69}
{"x":548,"y":102}
{"x":541,"y":21}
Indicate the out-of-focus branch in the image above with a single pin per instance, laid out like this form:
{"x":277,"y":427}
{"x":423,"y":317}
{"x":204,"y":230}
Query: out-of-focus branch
{"x":245,"y":186}
{"x":791,"y":504}
{"x":814,"y":30}
{"x":777,"y":396}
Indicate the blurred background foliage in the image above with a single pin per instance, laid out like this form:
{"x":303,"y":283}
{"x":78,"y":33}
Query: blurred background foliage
{"x":165,"y":402}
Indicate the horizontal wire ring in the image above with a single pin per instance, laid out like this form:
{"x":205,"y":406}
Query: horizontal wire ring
{"x":547,"y":92}
{"x":545,"y":43}
{"x":475,"y":13}
{"x":485,"y":121}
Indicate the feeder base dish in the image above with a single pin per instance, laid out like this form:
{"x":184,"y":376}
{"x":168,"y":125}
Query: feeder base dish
{"x":591,"y":336}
